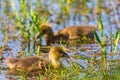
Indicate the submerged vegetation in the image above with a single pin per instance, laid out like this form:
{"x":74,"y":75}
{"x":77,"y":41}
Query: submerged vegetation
{"x":20,"y":22}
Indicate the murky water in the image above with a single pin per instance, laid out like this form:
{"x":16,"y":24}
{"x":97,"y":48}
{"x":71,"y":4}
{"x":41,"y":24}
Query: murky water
{"x":7,"y":26}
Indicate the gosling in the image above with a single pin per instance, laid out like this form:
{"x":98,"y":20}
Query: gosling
{"x":32,"y":62}
{"x":68,"y":33}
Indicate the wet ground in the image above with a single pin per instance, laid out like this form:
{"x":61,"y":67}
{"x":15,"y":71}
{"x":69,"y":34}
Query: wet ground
{"x":10,"y":41}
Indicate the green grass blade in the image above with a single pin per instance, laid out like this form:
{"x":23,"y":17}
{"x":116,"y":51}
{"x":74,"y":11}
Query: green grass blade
{"x":97,"y":37}
{"x":116,"y":40}
{"x":100,"y":25}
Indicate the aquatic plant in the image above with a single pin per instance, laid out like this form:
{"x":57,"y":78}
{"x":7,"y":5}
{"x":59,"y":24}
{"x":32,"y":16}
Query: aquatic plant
{"x":29,"y":24}
{"x":100,"y":41}
{"x":104,"y":64}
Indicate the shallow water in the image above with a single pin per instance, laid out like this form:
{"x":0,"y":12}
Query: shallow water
{"x":15,"y":45}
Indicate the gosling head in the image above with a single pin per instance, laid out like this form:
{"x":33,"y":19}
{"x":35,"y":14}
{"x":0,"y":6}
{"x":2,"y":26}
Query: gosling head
{"x":45,"y":29}
{"x":55,"y":54}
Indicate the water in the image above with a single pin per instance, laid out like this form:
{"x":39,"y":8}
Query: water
{"x":54,"y":9}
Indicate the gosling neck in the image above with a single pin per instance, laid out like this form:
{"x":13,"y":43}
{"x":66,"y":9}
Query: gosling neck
{"x":50,"y":37}
{"x":50,"y":34}
{"x":54,"y":62}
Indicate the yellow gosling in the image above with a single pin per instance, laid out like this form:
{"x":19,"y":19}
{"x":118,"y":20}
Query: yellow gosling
{"x":29,"y":63}
{"x":68,"y":33}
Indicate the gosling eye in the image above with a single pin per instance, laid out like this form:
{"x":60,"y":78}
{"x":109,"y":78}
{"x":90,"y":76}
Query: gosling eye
{"x":60,"y":51}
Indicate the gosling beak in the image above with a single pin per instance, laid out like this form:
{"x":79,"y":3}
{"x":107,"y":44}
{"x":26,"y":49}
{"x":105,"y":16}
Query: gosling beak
{"x":39,"y":36}
{"x":65,"y":55}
